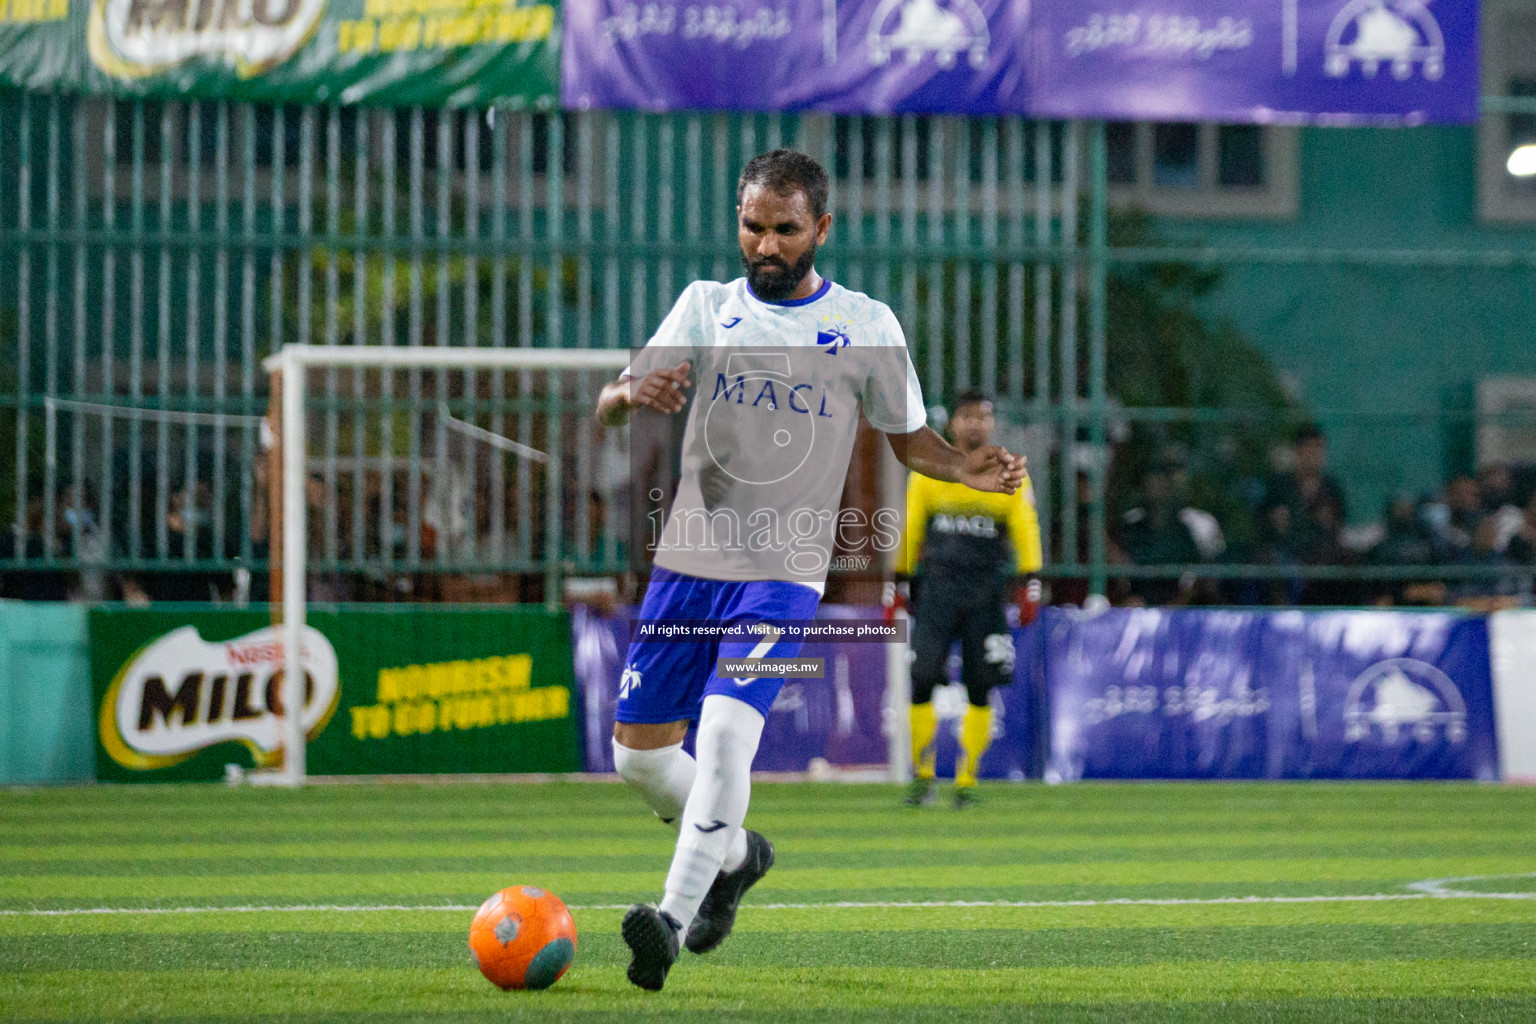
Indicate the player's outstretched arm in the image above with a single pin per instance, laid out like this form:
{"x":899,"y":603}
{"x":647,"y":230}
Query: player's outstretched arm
{"x":988,"y":468}
{"x":661,"y":390}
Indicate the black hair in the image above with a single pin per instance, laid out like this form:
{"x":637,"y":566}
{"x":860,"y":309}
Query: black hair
{"x":972,"y":396}
{"x":785,"y":172}
{"x":1308,"y":432}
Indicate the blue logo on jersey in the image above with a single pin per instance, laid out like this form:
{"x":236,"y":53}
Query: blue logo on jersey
{"x":832,"y":340}
{"x":733,"y":322}
{"x":799,"y":397}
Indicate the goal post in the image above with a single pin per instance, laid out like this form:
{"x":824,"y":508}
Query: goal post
{"x":289,"y":369}
{"x":467,"y":401}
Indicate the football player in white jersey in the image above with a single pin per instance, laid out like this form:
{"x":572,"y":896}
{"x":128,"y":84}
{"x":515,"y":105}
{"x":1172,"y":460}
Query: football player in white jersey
{"x":774,"y":370}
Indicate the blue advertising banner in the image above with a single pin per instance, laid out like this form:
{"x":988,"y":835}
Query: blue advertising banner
{"x":1381,"y":695}
{"x":1286,"y":695}
{"x":842,"y":56}
{"x":1015,"y":710}
{"x":1152,"y":694}
{"x":1251,"y":61}
{"x":1257,"y":61}
{"x":838,"y":718}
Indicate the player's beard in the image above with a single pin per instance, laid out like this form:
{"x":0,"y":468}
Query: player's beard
{"x":773,"y":280}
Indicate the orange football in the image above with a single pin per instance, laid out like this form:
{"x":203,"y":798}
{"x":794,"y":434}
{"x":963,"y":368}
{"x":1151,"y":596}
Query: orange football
{"x":523,"y":937}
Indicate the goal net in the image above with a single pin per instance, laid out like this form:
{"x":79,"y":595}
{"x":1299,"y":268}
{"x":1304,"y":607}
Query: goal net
{"x":412,"y":473}
{"x":474,"y":476}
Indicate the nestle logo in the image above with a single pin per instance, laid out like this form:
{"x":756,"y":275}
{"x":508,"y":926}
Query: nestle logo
{"x":258,"y":654}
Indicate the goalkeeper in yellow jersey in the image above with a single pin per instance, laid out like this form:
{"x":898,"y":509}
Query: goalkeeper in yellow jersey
{"x":957,"y":551}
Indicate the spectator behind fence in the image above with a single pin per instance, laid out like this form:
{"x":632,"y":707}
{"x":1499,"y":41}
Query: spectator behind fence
{"x":1496,"y":488}
{"x":1074,"y":590}
{"x":1302,"y":515}
{"x":1164,"y":530}
{"x":1462,"y":509}
{"x":84,"y":540}
{"x":189,"y":537}
{"x":32,"y":584}
{"x":1493,"y":592}
{"x":1495,"y":485}
{"x":1407,"y":540}
{"x":1522,"y":545}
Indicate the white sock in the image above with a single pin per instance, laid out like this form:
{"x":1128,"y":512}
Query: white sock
{"x":663,"y":777}
{"x":736,"y":856}
{"x":711,"y":832}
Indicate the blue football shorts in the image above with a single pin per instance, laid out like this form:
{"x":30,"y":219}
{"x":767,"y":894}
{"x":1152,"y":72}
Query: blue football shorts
{"x":667,"y":680}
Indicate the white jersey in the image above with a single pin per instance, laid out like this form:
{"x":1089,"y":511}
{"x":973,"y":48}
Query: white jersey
{"x":777,"y":390}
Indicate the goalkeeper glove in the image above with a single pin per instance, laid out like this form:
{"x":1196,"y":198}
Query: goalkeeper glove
{"x":896,"y":595}
{"x":1028,"y":598}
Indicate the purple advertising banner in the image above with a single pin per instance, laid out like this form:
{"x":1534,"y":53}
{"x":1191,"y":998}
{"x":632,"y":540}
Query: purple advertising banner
{"x":1196,"y":694}
{"x":1241,"y":61}
{"x":1257,"y":61}
{"x":838,"y":718}
{"x":841,"y":56}
{"x":1015,"y":711}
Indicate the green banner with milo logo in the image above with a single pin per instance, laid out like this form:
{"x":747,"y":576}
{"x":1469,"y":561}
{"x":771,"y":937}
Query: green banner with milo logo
{"x":437,"y":53}
{"x":389,"y":690}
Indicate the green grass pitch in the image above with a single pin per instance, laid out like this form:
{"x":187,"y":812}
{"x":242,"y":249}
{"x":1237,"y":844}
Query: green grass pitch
{"x":1102,"y":903}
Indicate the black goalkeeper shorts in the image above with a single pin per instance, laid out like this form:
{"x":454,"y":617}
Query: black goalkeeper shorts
{"x":986,"y":644}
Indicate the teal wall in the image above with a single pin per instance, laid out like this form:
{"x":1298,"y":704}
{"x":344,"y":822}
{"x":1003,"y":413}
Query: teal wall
{"x":45,"y":694}
{"x":1405,"y":345}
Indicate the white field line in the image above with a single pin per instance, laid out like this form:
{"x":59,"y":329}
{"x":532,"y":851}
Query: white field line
{"x":1429,"y":892}
{"x":1445,"y":887}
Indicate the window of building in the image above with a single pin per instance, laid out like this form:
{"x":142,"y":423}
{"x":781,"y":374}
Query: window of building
{"x":1176,"y":155}
{"x":1178,"y":169}
{"x":1182,"y":169}
{"x":1522,"y":134}
{"x":277,"y":135}
{"x":456,"y":123}
{"x":860,"y":143}
{"x":1506,"y":191}
{"x":1057,"y":135}
{"x":542,"y":123}
{"x":1120,"y":141}
{"x":1240,"y":155}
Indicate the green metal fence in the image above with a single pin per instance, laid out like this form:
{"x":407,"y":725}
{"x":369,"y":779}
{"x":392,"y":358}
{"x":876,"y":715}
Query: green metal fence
{"x":152,"y":254}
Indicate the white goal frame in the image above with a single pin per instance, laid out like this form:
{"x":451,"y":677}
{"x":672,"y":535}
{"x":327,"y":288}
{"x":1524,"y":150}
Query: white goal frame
{"x":289,"y":369}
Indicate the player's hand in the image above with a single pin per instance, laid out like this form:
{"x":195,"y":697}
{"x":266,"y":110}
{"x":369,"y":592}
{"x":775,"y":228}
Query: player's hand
{"x":662,"y":390}
{"x":991,"y":468}
{"x":1028,"y":599}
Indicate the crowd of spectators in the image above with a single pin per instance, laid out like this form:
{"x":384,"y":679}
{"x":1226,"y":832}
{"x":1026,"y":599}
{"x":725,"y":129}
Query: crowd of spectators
{"x":66,"y":552}
{"x":1473,"y":544}
{"x":80,"y":559}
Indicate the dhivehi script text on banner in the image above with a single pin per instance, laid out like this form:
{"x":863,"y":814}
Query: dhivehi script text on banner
{"x":852,"y":56}
{"x":1187,"y":693}
{"x":429,"y":52}
{"x":1259,"y":61}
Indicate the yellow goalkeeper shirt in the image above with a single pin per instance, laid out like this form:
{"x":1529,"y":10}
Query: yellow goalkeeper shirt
{"x":966,"y":534}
